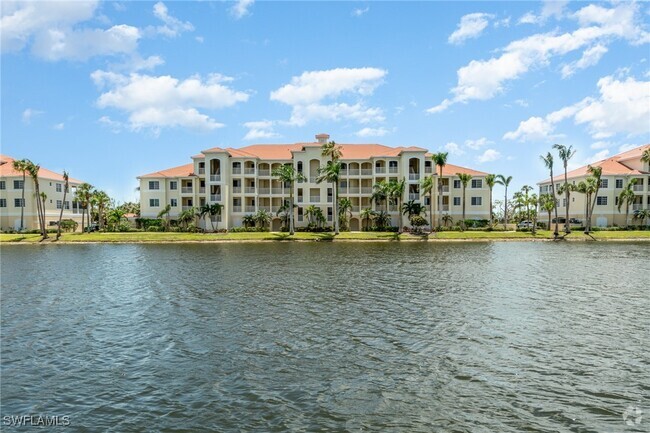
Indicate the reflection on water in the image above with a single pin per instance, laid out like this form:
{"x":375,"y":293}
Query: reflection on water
{"x":494,"y":337}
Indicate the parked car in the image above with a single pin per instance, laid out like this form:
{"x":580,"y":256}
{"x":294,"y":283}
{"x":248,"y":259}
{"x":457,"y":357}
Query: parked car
{"x":92,"y":228}
{"x":525,"y":225}
{"x":575,"y":221}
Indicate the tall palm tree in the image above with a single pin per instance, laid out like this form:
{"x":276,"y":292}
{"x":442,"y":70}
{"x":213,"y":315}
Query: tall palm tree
{"x":331,"y":173}
{"x":505,"y":181}
{"x":596,"y":173}
{"x":440,"y":160}
{"x":395,"y":193}
{"x":380,"y":193}
{"x":334,"y":152}
{"x":548,"y":161}
{"x":215,"y":209}
{"x":186,"y":217}
{"x":645,"y":157}
{"x":65,"y":192}
{"x":642,"y":215}
{"x":490,"y":181}
{"x":366,"y":215}
{"x":164,"y":212}
{"x":547,"y":203}
{"x":345,"y":211}
{"x":627,"y":196}
{"x":263,"y":217}
{"x":33,"y":170}
{"x":287,"y":174}
{"x":566,"y":153}
{"x":427,"y":185}
{"x":102,"y":200}
{"x":21,"y":165}
{"x":526,"y":189}
{"x":464,"y":180}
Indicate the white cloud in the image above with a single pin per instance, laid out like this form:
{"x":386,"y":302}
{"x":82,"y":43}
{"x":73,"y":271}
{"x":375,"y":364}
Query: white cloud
{"x":59,"y":126}
{"x":484,"y":79}
{"x":505,"y":22}
{"x":372,"y":132}
{"x":470,"y":26}
{"x":528,"y":18}
{"x":590,"y":57}
{"x":241,"y":8}
{"x":600,"y":145}
{"x":488,"y":156}
{"x":30,"y":113}
{"x":164,"y":101}
{"x":454,"y":148}
{"x":358,"y":11}
{"x":627,"y":146}
{"x":199,"y":39}
{"x":623,"y":107}
{"x":172,"y":26}
{"x":306,"y":95}
{"x":137,"y":63}
{"x":477,"y":144}
{"x":521,"y":102}
{"x":260,"y":130}
{"x":550,"y":8}
{"x":113,"y":125}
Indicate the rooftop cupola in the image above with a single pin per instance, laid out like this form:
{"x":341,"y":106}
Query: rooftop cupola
{"x":322,"y":138}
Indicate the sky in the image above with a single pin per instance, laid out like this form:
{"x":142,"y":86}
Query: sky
{"x":112,"y":90}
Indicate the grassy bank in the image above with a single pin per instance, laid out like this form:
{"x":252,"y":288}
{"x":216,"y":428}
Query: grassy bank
{"x":154,"y":237}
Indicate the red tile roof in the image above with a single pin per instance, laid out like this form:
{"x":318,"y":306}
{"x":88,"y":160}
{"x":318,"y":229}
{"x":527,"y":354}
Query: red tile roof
{"x":7,"y":170}
{"x":180,"y":171}
{"x":612,"y":166}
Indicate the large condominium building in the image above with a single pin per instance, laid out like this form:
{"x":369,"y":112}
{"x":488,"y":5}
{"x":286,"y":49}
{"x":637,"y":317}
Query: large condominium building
{"x":241,"y":180}
{"x":50,"y":183}
{"x":617,"y":171}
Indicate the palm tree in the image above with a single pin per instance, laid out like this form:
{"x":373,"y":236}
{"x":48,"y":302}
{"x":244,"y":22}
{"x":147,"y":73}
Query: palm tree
{"x":262,"y":217}
{"x":641,"y":214}
{"x":566,"y":153}
{"x":412,"y":208}
{"x":464,"y":180}
{"x":427,"y":185}
{"x":366,"y":215}
{"x":548,"y":161}
{"x":287,"y":174}
{"x":330,"y":173}
{"x":380,"y":193}
{"x":596,"y":173}
{"x":283,"y":213}
{"x":447,"y":219}
{"x":33,"y":170}
{"x":490,"y":181}
{"x":395,"y":193}
{"x":533,"y":201}
{"x":627,"y":196}
{"x":22,"y":167}
{"x":165,"y":213}
{"x":248,"y":220}
{"x":526,"y":189}
{"x":645,"y":157}
{"x":505,"y":181}
{"x":547,"y":203}
{"x":345,"y":211}
{"x":114,"y":218}
{"x":214,"y":210}
{"x":65,"y":192}
{"x":101,"y":199}
{"x":310,"y":213}
{"x":440,"y":160}
{"x":186,"y":217}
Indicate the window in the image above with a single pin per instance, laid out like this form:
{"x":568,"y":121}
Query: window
{"x":299,"y":166}
{"x":3,"y":184}
{"x":58,"y":187}
{"x":477,"y":183}
{"x":619,"y":183}
{"x":456,"y":201}
{"x":154,"y":184}
{"x":456,"y":183}
{"x":173,"y":202}
{"x":154,"y":202}
{"x":563,"y":202}
{"x":604,"y":183}
{"x":18,"y":184}
{"x":173,"y":185}
{"x":18,"y":202}
{"x":59,"y":204}
{"x":601,"y":200}
{"x":477,"y":201}
{"x":3,"y":202}
{"x":67,"y":205}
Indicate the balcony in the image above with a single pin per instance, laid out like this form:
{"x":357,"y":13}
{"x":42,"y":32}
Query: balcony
{"x":264,"y":190}
{"x":249,"y":190}
{"x":380,"y":170}
{"x":312,"y":179}
{"x":353,"y":171}
{"x":236,"y":189}
{"x":366,"y":171}
{"x":414,"y":176}
{"x":186,"y":190}
{"x":264,"y":172}
{"x":300,"y":199}
{"x":276,"y":190}
{"x":393,"y":169}
{"x":637,"y":187}
{"x":236,"y":208}
{"x":215,"y":197}
{"x":343,"y":172}
{"x":343,"y":190}
{"x":275,"y":209}
{"x":314,"y":199}
{"x":356,"y":209}
{"x":414,"y":196}
{"x":249,"y":171}
{"x":445,"y":188}
{"x":428,"y":170}
{"x":353,"y":190}
{"x":366,"y":190}
{"x":186,"y":207}
{"x":266,"y":208}
{"x":236,"y":170}
{"x":201,"y":170}
{"x":444,"y":208}
{"x":329,"y":199}
{"x":637,"y":206}
{"x":215,"y":178}
{"x":250,"y":209}
{"x":201,"y":190}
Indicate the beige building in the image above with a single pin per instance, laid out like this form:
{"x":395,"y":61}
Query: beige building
{"x":617,"y":171}
{"x":241,"y":180}
{"x":51,"y":183}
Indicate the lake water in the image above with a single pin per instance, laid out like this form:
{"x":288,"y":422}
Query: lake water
{"x":330,"y":337}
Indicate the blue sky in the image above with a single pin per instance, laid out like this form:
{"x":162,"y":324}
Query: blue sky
{"x":112,"y":90}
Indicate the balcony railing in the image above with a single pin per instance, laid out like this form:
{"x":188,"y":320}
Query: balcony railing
{"x":353,"y":171}
{"x":250,"y":208}
{"x":393,"y":169}
{"x":264,"y":190}
{"x":249,"y":171}
{"x":186,"y":207}
{"x":366,"y":190}
{"x":249,"y":190}
{"x":343,"y":190}
{"x":300,"y":199}
{"x":380,"y":170}
{"x":343,"y":172}
{"x":356,"y":208}
{"x":428,"y":169}
{"x":201,"y":170}
{"x":236,"y":189}
{"x":637,"y":187}
{"x":366,"y":171}
{"x":444,"y":208}
{"x":236,"y":170}
{"x":312,"y":179}
{"x":236,"y":208}
{"x":414,"y":176}
{"x":414,"y":196}
{"x":201,"y":190}
{"x":264,"y":172}
{"x":215,"y":197}
{"x":445,"y":188}
{"x":314,"y":199}
{"x":266,"y":208}
{"x":186,"y":190}
{"x":275,"y":209}
{"x":637,"y":206}
{"x":215,"y":178}
{"x":276,"y":190}
{"x":329,"y":199}
{"x":353,"y":190}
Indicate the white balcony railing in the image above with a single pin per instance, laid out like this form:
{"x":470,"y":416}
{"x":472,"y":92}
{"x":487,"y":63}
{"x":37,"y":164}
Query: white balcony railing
{"x":637,"y":187}
{"x":393,"y":169}
{"x":186,"y":190}
{"x":329,"y":199}
{"x":428,"y":169}
{"x":276,"y":190}
{"x":266,"y":208}
{"x":353,"y":190}
{"x":445,"y":188}
{"x":264,"y":190}
{"x":236,"y":208}
{"x":343,"y":172}
{"x":264,"y":172}
{"x":366,"y":171}
{"x":250,"y":208}
{"x":249,"y":171}
{"x":201,"y":170}
{"x":637,"y":206}
{"x":380,"y":170}
{"x":314,"y":199}
{"x":414,"y":176}
{"x":186,"y":207}
{"x":201,"y":190}
{"x":215,"y":197}
{"x":249,"y":190}
{"x":444,"y":208}
{"x":236,"y":189}
{"x":353,"y":171}
{"x":215,"y":178}
{"x":236,"y":170}
{"x":414,"y":196}
{"x":355,"y":209}
{"x":312,"y":179}
{"x":300,"y":199}
{"x":366,"y":190}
